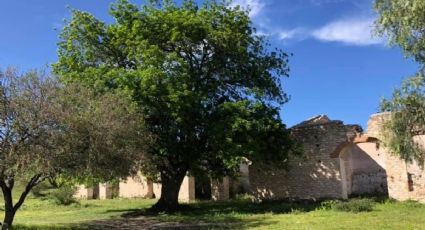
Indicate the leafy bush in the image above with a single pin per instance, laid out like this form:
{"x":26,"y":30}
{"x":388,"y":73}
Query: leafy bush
{"x":354,"y":205}
{"x":328,"y":204}
{"x":63,"y":195}
{"x":40,"y":190}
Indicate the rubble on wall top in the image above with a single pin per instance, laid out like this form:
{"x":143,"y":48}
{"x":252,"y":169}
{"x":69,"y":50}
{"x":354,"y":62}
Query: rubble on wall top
{"x":325,"y":120}
{"x":316,"y":120}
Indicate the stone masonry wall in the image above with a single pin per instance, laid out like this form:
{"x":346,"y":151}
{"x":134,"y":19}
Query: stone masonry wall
{"x":366,"y":171}
{"x":84,"y":192}
{"x":316,"y":174}
{"x":405,"y":180}
{"x":136,"y":187}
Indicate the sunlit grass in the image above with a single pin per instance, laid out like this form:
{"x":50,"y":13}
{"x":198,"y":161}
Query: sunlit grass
{"x":241,"y":214}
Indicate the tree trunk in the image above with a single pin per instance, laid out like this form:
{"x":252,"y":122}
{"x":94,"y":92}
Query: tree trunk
{"x":170,"y":187}
{"x":8,"y":219}
{"x":8,"y":206}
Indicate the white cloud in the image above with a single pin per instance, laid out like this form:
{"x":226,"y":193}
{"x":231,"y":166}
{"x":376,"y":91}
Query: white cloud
{"x":292,"y":34}
{"x":349,"y":31}
{"x":255,"y":6}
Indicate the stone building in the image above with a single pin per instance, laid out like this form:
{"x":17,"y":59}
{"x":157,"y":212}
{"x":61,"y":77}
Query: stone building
{"x":339,"y":161}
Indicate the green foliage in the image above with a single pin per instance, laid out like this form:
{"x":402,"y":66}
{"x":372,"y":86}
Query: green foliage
{"x":353,"y":205}
{"x":40,"y":190}
{"x":403,"y":21}
{"x":328,"y":204}
{"x":244,"y":196}
{"x":407,"y":120}
{"x":52,"y":131}
{"x":63,"y":195}
{"x":210,"y":88}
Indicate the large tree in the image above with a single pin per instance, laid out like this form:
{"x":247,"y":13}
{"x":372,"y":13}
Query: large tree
{"x":47,"y":130}
{"x":209,"y":86}
{"x":403,"y":22}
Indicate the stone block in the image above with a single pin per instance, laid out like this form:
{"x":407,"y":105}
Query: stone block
{"x":84,"y":192}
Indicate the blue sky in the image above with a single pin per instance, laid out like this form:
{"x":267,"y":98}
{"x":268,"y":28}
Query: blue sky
{"x":338,"y":67}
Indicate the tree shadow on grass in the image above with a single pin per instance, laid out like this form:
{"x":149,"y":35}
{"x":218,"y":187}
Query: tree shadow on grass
{"x":238,"y":214}
{"x":210,"y":215}
{"x":35,"y":227}
{"x":206,"y":208}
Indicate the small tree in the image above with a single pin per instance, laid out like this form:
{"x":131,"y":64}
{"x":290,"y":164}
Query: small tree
{"x":407,"y":120}
{"x":48,"y":130}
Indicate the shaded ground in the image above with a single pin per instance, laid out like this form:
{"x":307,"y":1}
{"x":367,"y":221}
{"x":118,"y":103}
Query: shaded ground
{"x":153,"y":224}
{"x":203,"y":215}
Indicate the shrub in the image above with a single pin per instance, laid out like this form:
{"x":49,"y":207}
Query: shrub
{"x":40,"y":190}
{"x":354,"y":205}
{"x":63,"y":195}
{"x":328,"y":204}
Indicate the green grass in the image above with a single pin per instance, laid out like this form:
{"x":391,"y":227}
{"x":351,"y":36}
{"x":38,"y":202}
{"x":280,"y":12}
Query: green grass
{"x":45,"y":213}
{"x":241,"y":214}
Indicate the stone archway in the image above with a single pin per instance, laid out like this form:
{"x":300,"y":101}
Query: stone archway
{"x":362,"y":167}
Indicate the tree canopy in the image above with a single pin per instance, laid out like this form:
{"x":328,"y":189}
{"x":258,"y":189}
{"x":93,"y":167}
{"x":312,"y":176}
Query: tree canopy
{"x":48,"y":130}
{"x":210,"y":87}
{"x":403,"y":21}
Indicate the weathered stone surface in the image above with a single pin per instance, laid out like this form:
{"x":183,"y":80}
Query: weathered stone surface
{"x":84,"y":192}
{"x":366,"y":171}
{"x":136,"y":187}
{"x":220,"y":189}
{"x":187,"y":189}
{"x":107,"y":191}
{"x":316,"y":174}
{"x":405,"y":180}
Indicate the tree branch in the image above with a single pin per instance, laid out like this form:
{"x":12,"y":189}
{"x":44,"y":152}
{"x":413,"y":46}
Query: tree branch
{"x":33,"y":182}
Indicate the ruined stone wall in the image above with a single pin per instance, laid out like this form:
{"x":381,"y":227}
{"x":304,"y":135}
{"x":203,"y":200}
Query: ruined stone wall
{"x":405,"y":180}
{"x":84,"y":192}
{"x":136,"y":187}
{"x":366,"y":171}
{"x":316,"y":175}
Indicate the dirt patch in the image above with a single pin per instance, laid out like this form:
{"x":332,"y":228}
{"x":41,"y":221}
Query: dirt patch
{"x":150,"y":223}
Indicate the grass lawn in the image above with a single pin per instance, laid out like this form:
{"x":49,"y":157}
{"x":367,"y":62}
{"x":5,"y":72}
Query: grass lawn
{"x":241,"y":214}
